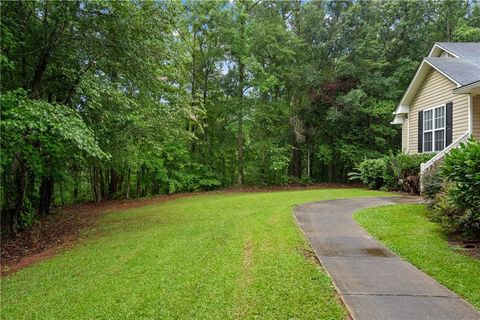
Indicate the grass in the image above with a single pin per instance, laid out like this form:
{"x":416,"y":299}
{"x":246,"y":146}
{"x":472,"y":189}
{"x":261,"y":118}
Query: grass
{"x":406,"y":230}
{"x":222,"y":256}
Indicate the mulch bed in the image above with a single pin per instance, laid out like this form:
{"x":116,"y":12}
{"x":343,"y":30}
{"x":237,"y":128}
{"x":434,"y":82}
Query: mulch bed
{"x":61,"y":230}
{"x":468,"y":247}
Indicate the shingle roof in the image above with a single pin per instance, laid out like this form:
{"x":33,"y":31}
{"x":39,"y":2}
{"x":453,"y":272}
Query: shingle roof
{"x":463,"y":71}
{"x":469,"y":50}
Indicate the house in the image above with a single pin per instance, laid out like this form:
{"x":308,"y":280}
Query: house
{"x":441,"y":106}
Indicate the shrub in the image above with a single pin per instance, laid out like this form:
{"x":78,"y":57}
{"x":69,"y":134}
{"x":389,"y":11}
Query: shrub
{"x":461,"y":167}
{"x":408,"y":170}
{"x":400,"y":172}
{"x":444,"y":211}
{"x":370,"y":172}
{"x":432,"y":184}
{"x":391,"y":174}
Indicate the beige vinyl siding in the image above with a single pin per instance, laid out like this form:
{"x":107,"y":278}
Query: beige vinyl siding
{"x":436,"y":90}
{"x":476,"y":116}
{"x":405,"y":135}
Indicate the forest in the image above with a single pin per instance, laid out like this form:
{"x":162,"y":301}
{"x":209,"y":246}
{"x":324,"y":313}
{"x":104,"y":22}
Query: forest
{"x":127,"y":99}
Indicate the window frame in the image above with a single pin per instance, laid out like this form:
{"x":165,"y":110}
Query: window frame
{"x":434,"y":129}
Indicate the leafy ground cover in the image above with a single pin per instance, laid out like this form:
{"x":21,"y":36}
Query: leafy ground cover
{"x":216,"y":256}
{"x":407,"y":231}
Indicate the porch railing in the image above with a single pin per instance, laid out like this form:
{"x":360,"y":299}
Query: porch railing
{"x":430,"y":164}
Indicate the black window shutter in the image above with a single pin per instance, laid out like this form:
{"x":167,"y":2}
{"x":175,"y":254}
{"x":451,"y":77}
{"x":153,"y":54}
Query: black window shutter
{"x":420,"y":131}
{"x":448,"y":123}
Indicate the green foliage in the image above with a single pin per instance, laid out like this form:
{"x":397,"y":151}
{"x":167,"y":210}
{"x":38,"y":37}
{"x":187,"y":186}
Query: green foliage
{"x":400,"y":172}
{"x":56,"y":129}
{"x":371,"y":172}
{"x":39,"y":139}
{"x":461,"y":168}
{"x":196,"y":95}
{"x":445,"y":212}
{"x":391,"y":175}
{"x":407,"y":168}
{"x":432,"y":184}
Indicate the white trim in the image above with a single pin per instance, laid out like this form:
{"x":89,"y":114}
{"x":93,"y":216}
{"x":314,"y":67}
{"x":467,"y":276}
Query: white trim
{"x":437,"y":45}
{"x":444,"y":74}
{"x":408,"y":134}
{"x":468,"y":88}
{"x":470,"y":114}
{"x":441,"y":154}
{"x":433,"y":48}
{"x":398,"y":119}
{"x":433,"y":130}
{"x":402,"y":107}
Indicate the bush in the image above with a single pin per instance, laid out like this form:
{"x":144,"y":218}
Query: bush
{"x":461,"y":167}
{"x":400,"y":172}
{"x":408,"y":170}
{"x":370,"y":172}
{"x":432,"y":184}
{"x":391,"y":174}
{"x":444,"y":211}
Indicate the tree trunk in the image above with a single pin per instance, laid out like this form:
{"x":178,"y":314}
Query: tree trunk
{"x":330,"y":171}
{"x":308,"y":161}
{"x":240,"y":177}
{"x":113,"y":183}
{"x":241,"y":80}
{"x":127,"y":193}
{"x":139,"y":177}
{"x":194,"y":86}
{"x":101,"y":179}
{"x":61,"y":193}
{"x":297,"y":159}
{"x":20,"y":174}
{"x":97,"y":194}
{"x":46,"y":192}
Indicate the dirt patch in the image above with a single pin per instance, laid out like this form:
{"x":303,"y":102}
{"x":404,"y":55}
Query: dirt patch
{"x":61,"y":230}
{"x":310,"y":255}
{"x":470,"y":248}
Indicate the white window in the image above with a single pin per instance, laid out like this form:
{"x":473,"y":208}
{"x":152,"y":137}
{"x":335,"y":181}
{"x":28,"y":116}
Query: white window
{"x":434,"y":129}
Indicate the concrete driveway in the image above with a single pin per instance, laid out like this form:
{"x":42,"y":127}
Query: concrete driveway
{"x":372,"y":281}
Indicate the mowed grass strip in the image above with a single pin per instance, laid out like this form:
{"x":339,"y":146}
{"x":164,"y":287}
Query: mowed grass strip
{"x":407,"y":231}
{"x":223,"y":256}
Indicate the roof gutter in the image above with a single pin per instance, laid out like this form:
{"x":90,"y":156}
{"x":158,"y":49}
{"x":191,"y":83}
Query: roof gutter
{"x":473,"y":87}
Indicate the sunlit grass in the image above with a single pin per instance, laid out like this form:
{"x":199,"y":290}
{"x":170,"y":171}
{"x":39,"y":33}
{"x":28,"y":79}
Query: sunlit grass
{"x":218,"y":256}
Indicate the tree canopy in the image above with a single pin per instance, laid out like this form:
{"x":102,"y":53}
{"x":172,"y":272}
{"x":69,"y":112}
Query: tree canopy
{"x":120,"y":99}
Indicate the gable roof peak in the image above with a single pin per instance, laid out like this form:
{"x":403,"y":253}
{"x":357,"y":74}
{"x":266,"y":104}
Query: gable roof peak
{"x":469,"y":50}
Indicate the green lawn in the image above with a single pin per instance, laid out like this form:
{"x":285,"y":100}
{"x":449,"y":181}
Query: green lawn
{"x":209,"y":257}
{"x":406,"y":230}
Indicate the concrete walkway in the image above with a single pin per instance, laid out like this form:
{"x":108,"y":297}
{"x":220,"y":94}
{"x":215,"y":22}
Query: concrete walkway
{"x":371,"y":280}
